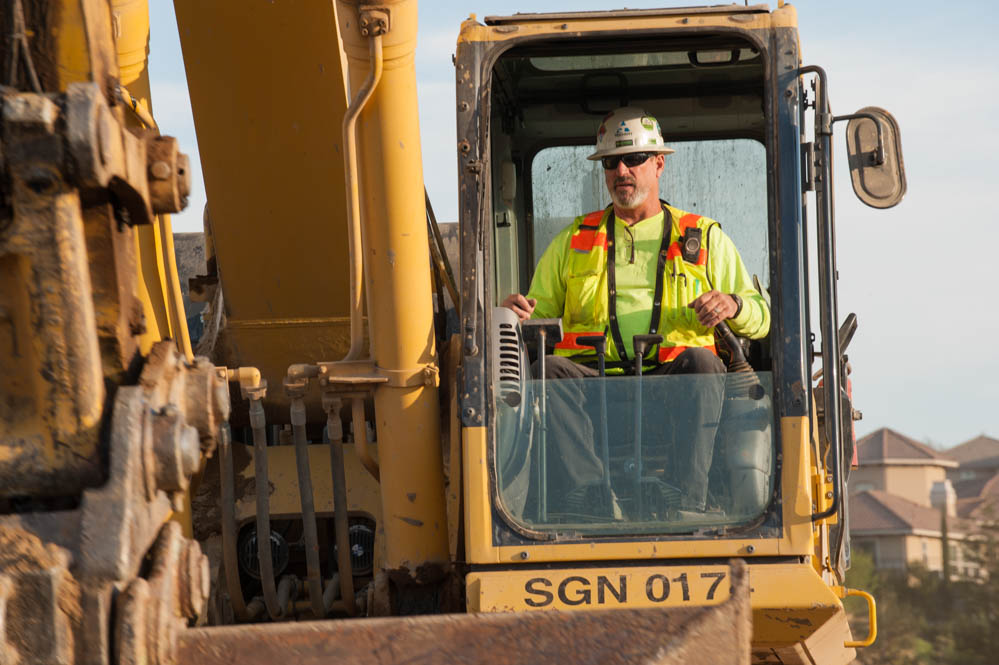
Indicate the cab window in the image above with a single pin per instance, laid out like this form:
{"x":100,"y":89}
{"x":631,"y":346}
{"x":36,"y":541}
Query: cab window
{"x":621,"y":454}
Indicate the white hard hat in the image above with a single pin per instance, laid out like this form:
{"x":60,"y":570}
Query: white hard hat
{"x":629,"y":129}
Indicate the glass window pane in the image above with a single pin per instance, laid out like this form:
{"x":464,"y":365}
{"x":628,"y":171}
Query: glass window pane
{"x":679,"y":453}
{"x":628,"y":60}
{"x":725,"y":180}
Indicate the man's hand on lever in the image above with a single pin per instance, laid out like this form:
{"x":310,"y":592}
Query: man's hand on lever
{"x":714,"y":307}
{"x":521,"y":306}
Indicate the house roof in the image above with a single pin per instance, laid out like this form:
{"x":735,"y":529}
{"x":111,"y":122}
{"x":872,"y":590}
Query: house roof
{"x":975,"y":451}
{"x":971,"y":488}
{"x":885,"y":446}
{"x":874,"y":511}
{"x":986,"y":500}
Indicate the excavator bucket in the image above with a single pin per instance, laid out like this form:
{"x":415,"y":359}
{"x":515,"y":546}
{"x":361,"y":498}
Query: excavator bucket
{"x":691,"y":636}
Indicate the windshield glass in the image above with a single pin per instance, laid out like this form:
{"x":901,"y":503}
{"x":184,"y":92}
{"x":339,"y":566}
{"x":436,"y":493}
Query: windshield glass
{"x":660,"y":453}
{"x":725,"y":179}
{"x":690,"y":444}
{"x":628,"y":454}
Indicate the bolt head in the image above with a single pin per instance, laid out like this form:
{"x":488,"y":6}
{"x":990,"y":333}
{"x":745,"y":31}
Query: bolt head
{"x":160,"y":170}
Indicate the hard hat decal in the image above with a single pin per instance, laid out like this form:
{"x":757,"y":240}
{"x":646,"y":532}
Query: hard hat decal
{"x":629,"y":129}
{"x":622,"y":130}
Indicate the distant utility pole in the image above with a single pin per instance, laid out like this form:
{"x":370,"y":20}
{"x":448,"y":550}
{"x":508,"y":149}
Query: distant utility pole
{"x":945,"y":542}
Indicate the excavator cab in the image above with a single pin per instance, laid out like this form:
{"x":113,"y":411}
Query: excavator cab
{"x":616,"y":454}
{"x":317,"y":463}
{"x":626,"y":489}
{"x":652,"y":438}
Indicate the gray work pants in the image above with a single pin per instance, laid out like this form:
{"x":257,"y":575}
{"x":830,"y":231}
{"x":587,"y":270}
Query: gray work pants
{"x":572,"y":458}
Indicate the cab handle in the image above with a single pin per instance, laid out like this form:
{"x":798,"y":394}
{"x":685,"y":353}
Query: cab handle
{"x":872,"y":618}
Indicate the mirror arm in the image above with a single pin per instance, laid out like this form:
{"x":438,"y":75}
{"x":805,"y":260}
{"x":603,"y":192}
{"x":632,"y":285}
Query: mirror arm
{"x":879,"y":155}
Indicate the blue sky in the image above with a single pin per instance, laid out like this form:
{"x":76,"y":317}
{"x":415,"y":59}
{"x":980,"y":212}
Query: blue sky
{"x":922,"y":277}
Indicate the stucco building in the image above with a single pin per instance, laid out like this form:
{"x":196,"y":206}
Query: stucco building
{"x":897,"y":499}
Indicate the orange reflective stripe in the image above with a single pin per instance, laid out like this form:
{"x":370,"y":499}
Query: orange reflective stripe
{"x":688,"y":221}
{"x":583,"y":240}
{"x":668,"y":354}
{"x":569,"y":341}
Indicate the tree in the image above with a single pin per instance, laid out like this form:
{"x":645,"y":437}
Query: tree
{"x":924,"y":619}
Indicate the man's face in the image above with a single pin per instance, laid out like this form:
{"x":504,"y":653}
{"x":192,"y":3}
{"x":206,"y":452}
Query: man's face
{"x":630,"y":187}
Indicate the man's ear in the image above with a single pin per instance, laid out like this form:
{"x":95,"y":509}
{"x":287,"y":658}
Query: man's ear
{"x":660,"y":164}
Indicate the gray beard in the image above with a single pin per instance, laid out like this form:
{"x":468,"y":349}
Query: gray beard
{"x":636,"y":198}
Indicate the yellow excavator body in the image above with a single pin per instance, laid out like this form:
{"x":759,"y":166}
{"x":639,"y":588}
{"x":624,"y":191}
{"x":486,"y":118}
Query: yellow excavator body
{"x":358,"y":399}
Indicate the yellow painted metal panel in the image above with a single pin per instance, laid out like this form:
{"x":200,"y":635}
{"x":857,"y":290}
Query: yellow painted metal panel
{"x":793,"y":609}
{"x":397,"y":281}
{"x":273,"y":171}
{"x":472,"y":31}
{"x":796,"y":539}
{"x":475,"y":484}
{"x":157,"y":268}
{"x":362,"y":490}
{"x":796,"y":488}
{"x":598,"y":588}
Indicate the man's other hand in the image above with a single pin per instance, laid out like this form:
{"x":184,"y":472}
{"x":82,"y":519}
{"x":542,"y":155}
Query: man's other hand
{"x":520,"y":305}
{"x":714,"y":307}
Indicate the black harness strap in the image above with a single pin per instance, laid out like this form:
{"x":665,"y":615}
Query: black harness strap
{"x":657,"y":298}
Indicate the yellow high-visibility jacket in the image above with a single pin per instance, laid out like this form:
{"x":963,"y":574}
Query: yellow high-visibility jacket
{"x":570,"y":282}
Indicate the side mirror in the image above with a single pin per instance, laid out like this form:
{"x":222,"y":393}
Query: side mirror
{"x":875,"y":153}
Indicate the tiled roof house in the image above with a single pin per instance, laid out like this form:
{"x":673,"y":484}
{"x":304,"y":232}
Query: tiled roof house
{"x":897,"y":464}
{"x":896,"y":499}
{"x":976,"y":478}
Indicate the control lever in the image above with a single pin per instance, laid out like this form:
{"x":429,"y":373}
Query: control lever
{"x":542,"y":332}
{"x":599,"y":344}
{"x":641,"y":344}
{"x":744,"y":383}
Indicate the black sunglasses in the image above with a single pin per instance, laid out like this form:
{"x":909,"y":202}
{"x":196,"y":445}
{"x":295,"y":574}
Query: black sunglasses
{"x":631,"y":160}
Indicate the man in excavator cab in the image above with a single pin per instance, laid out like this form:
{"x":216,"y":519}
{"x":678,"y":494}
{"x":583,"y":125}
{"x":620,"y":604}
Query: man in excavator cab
{"x":639,"y":288}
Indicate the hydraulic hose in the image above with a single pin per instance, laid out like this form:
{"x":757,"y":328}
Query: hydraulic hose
{"x":229,"y":529}
{"x":314,"y":579}
{"x":258,"y":424}
{"x":340,"y":522}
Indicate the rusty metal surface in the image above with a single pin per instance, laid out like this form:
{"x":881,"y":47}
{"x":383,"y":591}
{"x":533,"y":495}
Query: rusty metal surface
{"x":152,"y":611}
{"x":52,"y":393}
{"x":66,"y":156}
{"x":65,"y":41}
{"x":157,"y":428}
{"x":691,"y":636}
{"x":169,"y":175}
{"x":118,"y":311}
